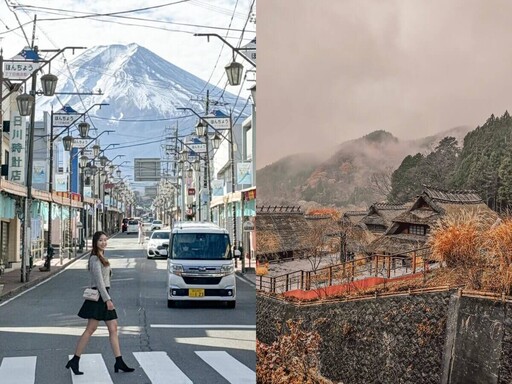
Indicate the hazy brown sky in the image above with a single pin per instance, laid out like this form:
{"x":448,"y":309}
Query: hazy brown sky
{"x":335,"y":70}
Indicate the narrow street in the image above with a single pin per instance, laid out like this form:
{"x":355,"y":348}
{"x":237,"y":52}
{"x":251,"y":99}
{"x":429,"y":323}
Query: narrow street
{"x":205,"y":343}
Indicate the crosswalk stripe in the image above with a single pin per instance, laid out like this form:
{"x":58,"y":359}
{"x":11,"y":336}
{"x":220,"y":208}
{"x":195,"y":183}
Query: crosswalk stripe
{"x":18,"y":370}
{"x":160,"y":368}
{"x":94,"y":369}
{"x":229,"y":367}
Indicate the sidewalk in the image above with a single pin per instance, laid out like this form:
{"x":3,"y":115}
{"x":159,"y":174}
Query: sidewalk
{"x":10,"y":280}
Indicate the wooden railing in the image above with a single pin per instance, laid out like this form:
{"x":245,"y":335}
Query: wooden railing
{"x":386,"y":266}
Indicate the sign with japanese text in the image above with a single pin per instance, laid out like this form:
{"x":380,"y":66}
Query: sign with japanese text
{"x":80,"y":143}
{"x":21,"y":66}
{"x":195,"y":147}
{"x":87,"y":191}
{"x":219,"y":122}
{"x":19,"y":70}
{"x":191,"y":191}
{"x":17,"y":154}
{"x":64,"y":119}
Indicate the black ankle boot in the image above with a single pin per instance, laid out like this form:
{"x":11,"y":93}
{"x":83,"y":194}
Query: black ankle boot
{"x":121,"y":365}
{"x":73,"y":364}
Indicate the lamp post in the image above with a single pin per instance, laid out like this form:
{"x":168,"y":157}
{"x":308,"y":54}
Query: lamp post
{"x":233,"y":70}
{"x":83,"y":128}
{"x":26,"y":108}
{"x":202,"y":129}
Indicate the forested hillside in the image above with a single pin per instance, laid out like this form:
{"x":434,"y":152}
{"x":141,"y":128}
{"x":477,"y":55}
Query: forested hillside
{"x":484,"y":164}
{"x":355,"y":175}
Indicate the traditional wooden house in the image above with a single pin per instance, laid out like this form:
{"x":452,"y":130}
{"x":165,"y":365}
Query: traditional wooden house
{"x":380,"y":216}
{"x":353,"y":217}
{"x":281,"y":233}
{"x":410,"y":229}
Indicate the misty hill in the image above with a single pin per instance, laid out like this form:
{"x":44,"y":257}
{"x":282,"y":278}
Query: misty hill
{"x":355,"y":176}
{"x":143,"y":91}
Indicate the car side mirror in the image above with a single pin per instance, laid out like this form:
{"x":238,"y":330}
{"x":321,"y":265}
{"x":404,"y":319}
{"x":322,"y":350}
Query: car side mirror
{"x":237,"y":254}
{"x":146,"y":238}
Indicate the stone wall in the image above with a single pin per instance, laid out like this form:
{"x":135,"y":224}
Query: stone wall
{"x":420,"y":338}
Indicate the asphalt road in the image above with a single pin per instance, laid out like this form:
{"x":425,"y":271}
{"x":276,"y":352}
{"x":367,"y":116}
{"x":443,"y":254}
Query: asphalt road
{"x":206,"y":343}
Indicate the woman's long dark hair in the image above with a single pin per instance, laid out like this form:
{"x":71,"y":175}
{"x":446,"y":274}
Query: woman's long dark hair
{"x":95,"y":250}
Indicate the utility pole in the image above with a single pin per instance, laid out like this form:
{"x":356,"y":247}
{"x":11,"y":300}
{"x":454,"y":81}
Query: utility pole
{"x":207,"y":183}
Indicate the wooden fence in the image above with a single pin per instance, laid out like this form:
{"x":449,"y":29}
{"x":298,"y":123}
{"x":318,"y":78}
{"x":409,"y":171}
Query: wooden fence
{"x":387,"y":266}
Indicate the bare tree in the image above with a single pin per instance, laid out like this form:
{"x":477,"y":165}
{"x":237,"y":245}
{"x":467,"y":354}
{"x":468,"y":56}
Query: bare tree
{"x":380,"y":182}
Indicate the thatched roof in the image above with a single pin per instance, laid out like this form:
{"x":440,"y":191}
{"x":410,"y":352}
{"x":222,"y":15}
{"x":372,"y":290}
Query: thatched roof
{"x":324,"y":224}
{"x":433,"y":204}
{"x":278,"y":232}
{"x":353,"y":217}
{"x":427,"y":209}
{"x":383,"y":213}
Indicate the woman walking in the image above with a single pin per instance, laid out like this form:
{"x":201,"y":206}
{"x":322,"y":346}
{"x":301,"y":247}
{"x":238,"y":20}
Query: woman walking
{"x":101,"y":310}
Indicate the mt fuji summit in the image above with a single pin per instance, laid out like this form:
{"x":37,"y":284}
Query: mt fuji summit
{"x":143,"y":91}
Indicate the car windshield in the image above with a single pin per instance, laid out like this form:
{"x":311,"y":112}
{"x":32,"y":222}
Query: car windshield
{"x":160,"y":235}
{"x":157,"y":222}
{"x":133,"y":222}
{"x":208,"y":246}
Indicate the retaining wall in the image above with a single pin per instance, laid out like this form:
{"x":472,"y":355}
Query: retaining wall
{"x":419,"y":338}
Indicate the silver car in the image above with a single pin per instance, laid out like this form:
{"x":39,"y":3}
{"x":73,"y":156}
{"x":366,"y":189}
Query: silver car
{"x":158,"y":244}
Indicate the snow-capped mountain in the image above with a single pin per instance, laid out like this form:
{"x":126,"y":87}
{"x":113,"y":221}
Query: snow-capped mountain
{"x":143,"y":91}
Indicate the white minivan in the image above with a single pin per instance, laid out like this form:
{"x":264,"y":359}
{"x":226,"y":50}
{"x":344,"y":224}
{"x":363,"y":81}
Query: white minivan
{"x":200,"y":264}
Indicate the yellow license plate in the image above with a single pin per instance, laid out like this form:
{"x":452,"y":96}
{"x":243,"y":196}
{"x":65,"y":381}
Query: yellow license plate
{"x":195,"y":292}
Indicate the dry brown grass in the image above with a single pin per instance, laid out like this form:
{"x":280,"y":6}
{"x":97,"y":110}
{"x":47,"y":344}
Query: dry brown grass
{"x":262,"y":269}
{"x":292,"y":359}
{"x":457,"y":240}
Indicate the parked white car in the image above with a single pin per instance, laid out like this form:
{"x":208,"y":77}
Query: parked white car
{"x":158,"y":244}
{"x":156,"y":224}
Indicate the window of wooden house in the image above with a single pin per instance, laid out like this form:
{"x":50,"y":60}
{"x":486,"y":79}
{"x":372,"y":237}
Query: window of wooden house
{"x":417,"y":229}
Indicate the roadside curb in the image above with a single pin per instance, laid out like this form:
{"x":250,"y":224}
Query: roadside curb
{"x":244,"y":277}
{"x":36,"y":280}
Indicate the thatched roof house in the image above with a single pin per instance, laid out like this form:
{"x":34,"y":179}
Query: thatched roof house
{"x":353,"y":217}
{"x":280,"y":233}
{"x":380,"y":216}
{"x":411,"y":228}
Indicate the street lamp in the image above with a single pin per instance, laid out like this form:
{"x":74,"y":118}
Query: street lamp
{"x":216,"y":139}
{"x":25,"y":104}
{"x":234,"y":73}
{"x":233,"y":70}
{"x":49,"y":84}
{"x":67,"y":141}
{"x":83,"y":129}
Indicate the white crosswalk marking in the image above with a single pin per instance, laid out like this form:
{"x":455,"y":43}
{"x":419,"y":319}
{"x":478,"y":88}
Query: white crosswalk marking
{"x":229,"y":367}
{"x":159,"y":368}
{"x":18,"y":370}
{"x":94,"y":369}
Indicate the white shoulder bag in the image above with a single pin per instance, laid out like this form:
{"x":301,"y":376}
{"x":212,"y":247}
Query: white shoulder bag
{"x":91,"y":294}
